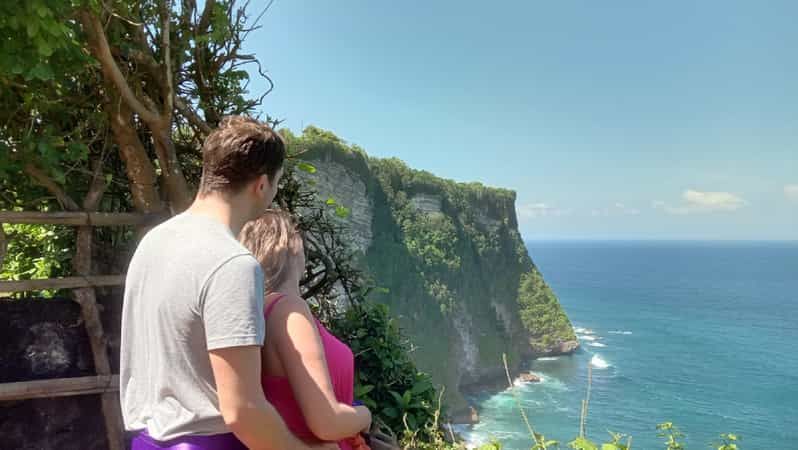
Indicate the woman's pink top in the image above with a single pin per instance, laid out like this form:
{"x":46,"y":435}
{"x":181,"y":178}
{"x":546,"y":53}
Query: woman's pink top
{"x":341,"y":365}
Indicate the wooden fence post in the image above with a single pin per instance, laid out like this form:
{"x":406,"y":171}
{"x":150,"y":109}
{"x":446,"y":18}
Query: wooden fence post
{"x":87,"y":299}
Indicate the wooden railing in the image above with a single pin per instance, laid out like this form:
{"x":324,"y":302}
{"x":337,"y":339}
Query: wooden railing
{"x":104,"y":382}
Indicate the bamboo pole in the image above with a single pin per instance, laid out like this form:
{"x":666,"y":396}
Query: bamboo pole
{"x":77,"y":218}
{"x":59,"y":387}
{"x":62,"y":283}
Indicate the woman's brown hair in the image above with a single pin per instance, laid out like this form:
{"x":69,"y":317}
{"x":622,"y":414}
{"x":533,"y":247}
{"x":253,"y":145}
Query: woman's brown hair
{"x":274,"y":238}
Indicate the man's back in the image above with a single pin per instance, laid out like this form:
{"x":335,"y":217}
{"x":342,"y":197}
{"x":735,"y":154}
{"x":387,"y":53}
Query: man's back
{"x":191,"y":287}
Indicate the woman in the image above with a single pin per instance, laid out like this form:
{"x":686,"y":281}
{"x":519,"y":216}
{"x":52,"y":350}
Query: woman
{"x":308,"y":374}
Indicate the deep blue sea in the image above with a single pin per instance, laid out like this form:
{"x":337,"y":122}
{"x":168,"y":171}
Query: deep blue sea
{"x":703,"y":334}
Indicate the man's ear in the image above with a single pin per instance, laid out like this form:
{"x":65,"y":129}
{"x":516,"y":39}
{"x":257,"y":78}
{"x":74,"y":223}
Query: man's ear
{"x":262,"y":184}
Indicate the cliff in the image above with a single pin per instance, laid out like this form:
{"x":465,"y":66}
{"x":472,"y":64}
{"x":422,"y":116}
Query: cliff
{"x":454,"y":267}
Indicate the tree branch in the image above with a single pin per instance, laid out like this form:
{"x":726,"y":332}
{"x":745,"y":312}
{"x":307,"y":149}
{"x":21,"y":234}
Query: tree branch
{"x":96,"y":187}
{"x":42,"y":179}
{"x":192,"y":116}
{"x":169,"y":94}
{"x":205,"y":20}
{"x":101,"y":50}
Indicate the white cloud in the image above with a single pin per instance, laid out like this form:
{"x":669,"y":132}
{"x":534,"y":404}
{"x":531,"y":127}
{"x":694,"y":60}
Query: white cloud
{"x":791,"y":192}
{"x":536,"y":210}
{"x":702,"y":202}
{"x":617,"y":209}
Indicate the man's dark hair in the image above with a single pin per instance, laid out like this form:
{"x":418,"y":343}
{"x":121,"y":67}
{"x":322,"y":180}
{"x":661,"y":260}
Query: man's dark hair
{"x":237,"y":152}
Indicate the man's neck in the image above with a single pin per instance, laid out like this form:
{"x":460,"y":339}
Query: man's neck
{"x":220,"y":209}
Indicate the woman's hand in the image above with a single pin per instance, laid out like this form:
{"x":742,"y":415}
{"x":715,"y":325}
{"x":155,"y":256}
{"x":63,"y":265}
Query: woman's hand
{"x":364,"y":412}
{"x":358,"y":443}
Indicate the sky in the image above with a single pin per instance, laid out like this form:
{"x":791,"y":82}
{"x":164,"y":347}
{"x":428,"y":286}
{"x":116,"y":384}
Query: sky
{"x":611,"y":120}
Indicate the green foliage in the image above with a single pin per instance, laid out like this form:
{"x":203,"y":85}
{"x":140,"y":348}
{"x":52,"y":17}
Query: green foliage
{"x":728,"y":441}
{"x":541,"y":443}
{"x":540,"y":311}
{"x":36,"y":251}
{"x":35,"y":41}
{"x":673,"y":437}
{"x":387,"y":379}
{"x":493,"y":445}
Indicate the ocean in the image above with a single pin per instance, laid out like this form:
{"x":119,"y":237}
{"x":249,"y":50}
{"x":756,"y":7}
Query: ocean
{"x":701,"y":334}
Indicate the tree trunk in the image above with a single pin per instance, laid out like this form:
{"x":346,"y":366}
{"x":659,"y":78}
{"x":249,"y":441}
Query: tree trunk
{"x":177,"y":190}
{"x":140,"y":171}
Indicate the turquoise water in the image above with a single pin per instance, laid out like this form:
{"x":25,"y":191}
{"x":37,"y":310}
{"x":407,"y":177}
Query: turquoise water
{"x":701,"y":334}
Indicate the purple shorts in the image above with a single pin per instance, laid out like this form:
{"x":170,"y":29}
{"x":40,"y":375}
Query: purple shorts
{"x":225,"y":441}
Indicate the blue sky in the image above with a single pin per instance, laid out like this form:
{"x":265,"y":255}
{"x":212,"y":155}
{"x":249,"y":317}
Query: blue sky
{"x":612,"y":120}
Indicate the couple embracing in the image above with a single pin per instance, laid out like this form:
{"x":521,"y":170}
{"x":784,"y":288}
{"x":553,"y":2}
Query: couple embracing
{"x":219,"y":350}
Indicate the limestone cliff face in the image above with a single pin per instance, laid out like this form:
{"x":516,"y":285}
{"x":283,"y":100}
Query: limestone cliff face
{"x":451,"y":258}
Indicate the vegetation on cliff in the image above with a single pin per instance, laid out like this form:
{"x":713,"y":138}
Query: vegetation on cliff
{"x":546,"y":322}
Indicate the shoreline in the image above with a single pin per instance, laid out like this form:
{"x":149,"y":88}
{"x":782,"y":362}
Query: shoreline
{"x":494,"y":382}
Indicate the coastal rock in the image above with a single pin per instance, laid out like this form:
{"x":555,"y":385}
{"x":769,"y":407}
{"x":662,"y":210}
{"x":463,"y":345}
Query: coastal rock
{"x":529,"y":378}
{"x":559,"y":349}
{"x":465,"y":416}
{"x":567,"y":347}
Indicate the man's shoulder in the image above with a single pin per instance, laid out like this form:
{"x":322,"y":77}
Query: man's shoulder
{"x":192,"y":241}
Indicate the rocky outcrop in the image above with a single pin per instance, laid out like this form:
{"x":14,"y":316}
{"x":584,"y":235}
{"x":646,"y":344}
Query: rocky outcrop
{"x":342,"y":184}
{"x":451,"y":258}
{"x":430,"y":204}
{"x":529,"y":378}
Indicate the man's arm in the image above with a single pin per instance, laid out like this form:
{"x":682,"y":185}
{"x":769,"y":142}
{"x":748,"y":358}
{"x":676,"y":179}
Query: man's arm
{"x":244,"y":408}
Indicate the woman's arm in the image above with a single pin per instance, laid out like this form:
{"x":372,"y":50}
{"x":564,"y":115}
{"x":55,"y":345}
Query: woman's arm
{"x":294,"y":334}
{"x":244,"y":409}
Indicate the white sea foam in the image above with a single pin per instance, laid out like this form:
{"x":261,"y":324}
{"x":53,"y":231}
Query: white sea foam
{"x":598,"y":362}
{"x":587,"y":338}
{"x":548,"y":358}
{"x":620,"y":332}
{"x":581,"y":330}
{"x":596,"y":344}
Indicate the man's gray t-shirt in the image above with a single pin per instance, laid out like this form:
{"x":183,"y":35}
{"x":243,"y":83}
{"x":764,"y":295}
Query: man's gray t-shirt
{"x":191,"y":287}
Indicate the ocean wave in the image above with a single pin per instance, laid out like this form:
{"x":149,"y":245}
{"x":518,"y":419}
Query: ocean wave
{"x":581,"y":330}
{"x":619,"y":332}
{"x":548,"y":358}
{"x":596,"y":344}
{"x":598,"y":362}
{"x":587,"y":338}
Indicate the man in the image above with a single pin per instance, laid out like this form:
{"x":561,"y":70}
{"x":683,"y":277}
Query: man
{"x":192,"y":321}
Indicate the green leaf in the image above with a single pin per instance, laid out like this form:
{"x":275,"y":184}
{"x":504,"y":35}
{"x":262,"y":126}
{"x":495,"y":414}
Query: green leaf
{"x":306,"y":167}
{"x":406,"y":398}
{"x":77,"y":150}
{"x":421,"y":387}
{"x":44,"y":47}
{"x":46,"y":150}
{"x":411,"y":421}
{"x":41,"y":10}
{"x":330,"y":201}
{"x":391,"y":412}
{"x":397,"y":397}
{"x":362,"y":390}
{"x":582,"y":443}
{"x":32,"y":27}
{"x":342,"y":212}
